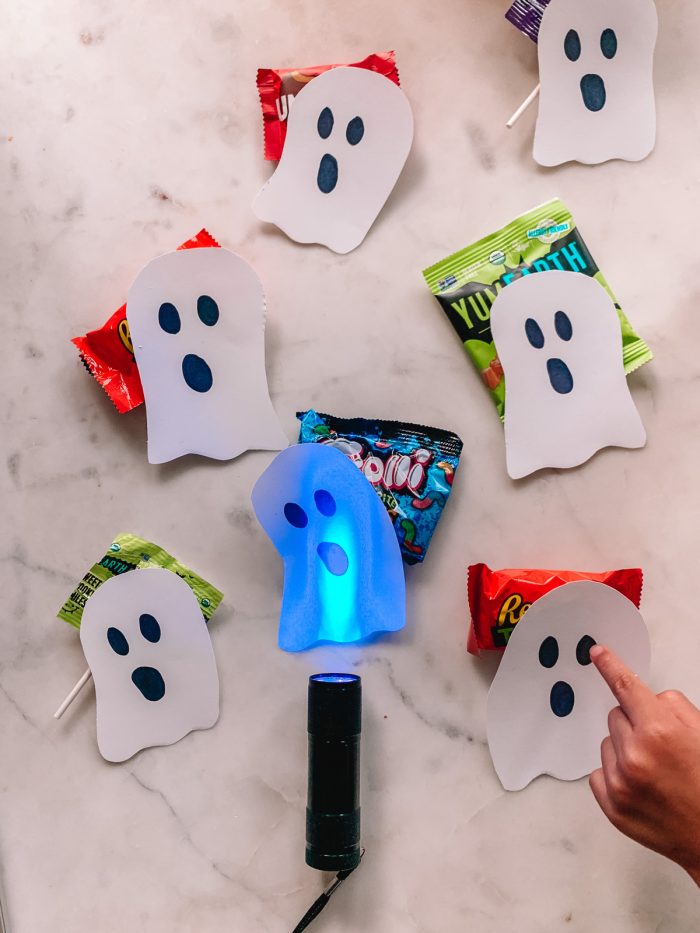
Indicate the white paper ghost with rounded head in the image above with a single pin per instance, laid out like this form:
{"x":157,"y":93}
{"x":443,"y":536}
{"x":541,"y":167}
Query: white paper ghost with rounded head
{"x":596,"y":81}
{"x":197,"y":320}
{"x":558,"y":337}
{"x":148,"y":648}
{"x":349,"y":133}
{"x":547,"y":710}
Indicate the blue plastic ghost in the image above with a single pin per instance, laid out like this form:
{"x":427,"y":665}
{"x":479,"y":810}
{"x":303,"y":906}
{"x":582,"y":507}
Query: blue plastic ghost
{"x":343,"y":574}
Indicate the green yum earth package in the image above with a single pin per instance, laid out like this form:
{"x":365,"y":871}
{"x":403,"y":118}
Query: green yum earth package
{"x":468,"y":282}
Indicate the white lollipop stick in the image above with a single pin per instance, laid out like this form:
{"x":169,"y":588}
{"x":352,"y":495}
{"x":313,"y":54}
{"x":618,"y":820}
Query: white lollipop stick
{"x":523,"y":107}
{"x":73,"y":694}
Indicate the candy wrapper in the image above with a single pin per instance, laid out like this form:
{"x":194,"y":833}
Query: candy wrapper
{"x":467,"y":283}
{"x":499,"y":598}
{"x":526,"y":15}
{"x":411,"y":467}
{"x":108,"y":354}
{"x":128,"y":552}
{"x":278,"y":87}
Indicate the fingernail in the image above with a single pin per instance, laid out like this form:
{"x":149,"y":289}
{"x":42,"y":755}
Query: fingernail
{"x":596,"y":651}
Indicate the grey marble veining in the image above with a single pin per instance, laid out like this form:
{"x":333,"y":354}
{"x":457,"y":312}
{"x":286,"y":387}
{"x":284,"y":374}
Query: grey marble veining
{"x":126,"y":128}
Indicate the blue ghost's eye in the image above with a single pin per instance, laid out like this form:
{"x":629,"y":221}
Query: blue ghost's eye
{"x":572,"y":45}
{"x":562,"y":325}
{"x":325,"y":123}
{"x":295,"y":515}
{"x":608,"y":43}
{"x":150,"y":682}
{"x":355,"y":131}
{"x":534,"y":333}
{"x":583,"y":650}
{"x":334,"y":557}
{"x":549,"y":651}
{"x":150,"y":629}
{"x":169,"y":318}
{"x":117,"y":641}
{"x":325,"y":502}
{"x":197,"y":373}
{"x":208,"y":310}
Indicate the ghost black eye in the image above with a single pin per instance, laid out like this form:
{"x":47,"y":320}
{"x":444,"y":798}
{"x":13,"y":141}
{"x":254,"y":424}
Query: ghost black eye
{"x":325,"y":123}
{"x":295,"y":515}
{"x":572,"y":45}
{"x":562,"y":325}
{"x":150,"y":629}
{"x":207,"y":310}
{"x":534,"y":334}
{"x":117,"y":641}
{"x":325,"y":502}
{"x":549,"y":652}
{"x":608,"y":43}
{"x":583,"y":650}
{"x":355,"y":131}
{"x":169,"y":318}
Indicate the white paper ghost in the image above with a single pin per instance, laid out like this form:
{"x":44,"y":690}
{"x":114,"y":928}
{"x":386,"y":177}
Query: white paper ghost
{"x":558,"y":337}
{"x":148,"y":648}
{"x":596,"y":81}
{"x":197,"y":319}
{"x":348,"y":136}
{"x":548,"y":706}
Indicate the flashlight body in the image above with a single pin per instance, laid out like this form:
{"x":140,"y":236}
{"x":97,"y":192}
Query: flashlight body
{"x":333,"y":806}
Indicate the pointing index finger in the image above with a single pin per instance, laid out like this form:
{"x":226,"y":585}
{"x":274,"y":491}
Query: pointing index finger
{"x":636,"y":700}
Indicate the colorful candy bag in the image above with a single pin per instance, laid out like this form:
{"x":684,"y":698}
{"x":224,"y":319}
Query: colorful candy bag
{"x":278,"y":87}
{"x":108,"y":354}
{"x":526,"y":15}
{"x":411,"y":467}
{"x":498,"y":598}
{"x":467,"y":283}
{"x":128,"y":552}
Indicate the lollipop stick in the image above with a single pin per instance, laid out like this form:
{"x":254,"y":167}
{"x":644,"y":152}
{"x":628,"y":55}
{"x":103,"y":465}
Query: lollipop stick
{"x":72,"y":695}
{"x":523,"y":107}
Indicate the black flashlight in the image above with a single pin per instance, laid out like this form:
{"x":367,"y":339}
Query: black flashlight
{"x":333,"y":806}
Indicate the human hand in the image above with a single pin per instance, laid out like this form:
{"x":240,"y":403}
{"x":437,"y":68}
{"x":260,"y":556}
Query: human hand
{"x":649,"y":782}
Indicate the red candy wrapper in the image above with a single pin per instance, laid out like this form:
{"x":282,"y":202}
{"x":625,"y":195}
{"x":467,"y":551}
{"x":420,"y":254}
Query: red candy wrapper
{"x":498,"y":598}
{"x":108,"y":354}
{"x":278,"y":87}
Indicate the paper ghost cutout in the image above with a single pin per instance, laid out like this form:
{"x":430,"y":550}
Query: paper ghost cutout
{"x":547,"y":710}
{"x":148,"y":648}
{"x":343,"y":574}
{"x":557,"y":335}
{"x":596,"y":81}
{"x":196,"y":318}
{"x":348,"y":136}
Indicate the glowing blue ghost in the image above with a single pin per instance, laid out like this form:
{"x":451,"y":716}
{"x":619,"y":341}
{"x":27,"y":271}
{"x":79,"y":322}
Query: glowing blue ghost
{"x":343,"y":574}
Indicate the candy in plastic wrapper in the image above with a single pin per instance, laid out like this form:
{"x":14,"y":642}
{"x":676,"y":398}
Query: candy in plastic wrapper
{"x":467,"y":283}
{"x":129,"y":552}
{"x":526,"y":15}
{"x":278,"y":87}
{"x":411,"y":467}
{"x":108,"y":354}
{"x":499,"y":598}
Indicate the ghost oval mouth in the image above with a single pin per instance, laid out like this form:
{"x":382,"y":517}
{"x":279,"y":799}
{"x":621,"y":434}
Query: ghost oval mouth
{"x":560,"y":376}
{"x":593,"y":92}
{"x":150,"y":682}
{"x":561,"y":699}
{"x":334,"y":557}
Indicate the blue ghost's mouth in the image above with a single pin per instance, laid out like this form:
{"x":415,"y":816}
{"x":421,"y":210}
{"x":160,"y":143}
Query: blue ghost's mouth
{"x":334,"y":557}
{"x":560,"y":376}
{"x":561,"y":699}
{"x":593,"y":92}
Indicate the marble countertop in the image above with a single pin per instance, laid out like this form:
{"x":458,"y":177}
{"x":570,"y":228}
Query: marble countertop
{"x":125,"y":129}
